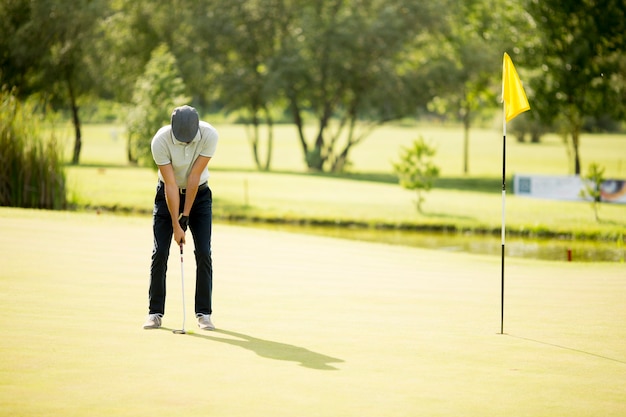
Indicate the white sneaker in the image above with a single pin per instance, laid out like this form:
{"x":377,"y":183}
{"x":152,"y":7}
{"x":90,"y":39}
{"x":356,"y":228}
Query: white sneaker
{"x":153,"y":321}
{"x":204,"y":322}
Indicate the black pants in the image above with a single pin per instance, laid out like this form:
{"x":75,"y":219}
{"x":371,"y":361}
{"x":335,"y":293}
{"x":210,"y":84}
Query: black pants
{"x":200,"y":225}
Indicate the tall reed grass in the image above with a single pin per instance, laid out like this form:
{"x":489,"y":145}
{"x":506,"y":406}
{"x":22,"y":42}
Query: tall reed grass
{"x":32,"y":173}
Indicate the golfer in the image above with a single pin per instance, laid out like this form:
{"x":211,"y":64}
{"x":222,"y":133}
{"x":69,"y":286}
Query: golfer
{"x":182,"y":151}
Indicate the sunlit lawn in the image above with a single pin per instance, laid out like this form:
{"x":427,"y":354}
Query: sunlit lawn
{"x":106,"y":145}
{"x":309,"y":325}
{"x":306,"y":326}
{"x":473,"y":201}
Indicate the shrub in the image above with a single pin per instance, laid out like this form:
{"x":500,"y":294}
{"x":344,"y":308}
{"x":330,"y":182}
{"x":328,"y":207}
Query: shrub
{"x":415,"y":169}
{"x":592,"y":189}
{"x":32,"y":173}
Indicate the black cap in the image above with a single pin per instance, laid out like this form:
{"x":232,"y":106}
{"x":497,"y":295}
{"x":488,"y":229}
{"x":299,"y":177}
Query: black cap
{"x":185,"y":123}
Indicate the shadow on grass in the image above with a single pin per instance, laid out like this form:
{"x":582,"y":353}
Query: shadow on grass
{"x":440,"y":215}
{"x":612,"y":223}
{"x":476,"y":184}
{"x":271,"y":350}
{"x":623,"y":362}
{"x":463,"y":183}
{"x":106,"y":165}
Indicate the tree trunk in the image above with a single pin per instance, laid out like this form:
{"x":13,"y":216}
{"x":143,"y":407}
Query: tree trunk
{"x":316,"y":158}
{"x":255,"y":140}
{"x":576,"y":146}
{"x":270,"y":138}
{"x":129,"y":150}
{"x":299,"y":122}
{"x":535,"y":137}
{"x":340,"y":163}
{"x":76,"y":120}
{"x":466,"y":130}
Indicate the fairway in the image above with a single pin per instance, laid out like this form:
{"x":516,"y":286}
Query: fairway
{"x":307,"y":326}
{"x":105,"y":180}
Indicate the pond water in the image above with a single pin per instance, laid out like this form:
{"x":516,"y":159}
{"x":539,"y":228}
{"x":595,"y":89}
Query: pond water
{"x":545,"y":249}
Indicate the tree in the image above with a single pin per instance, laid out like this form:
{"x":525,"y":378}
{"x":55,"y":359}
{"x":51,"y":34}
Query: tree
{"x":157,"y":92}
{"x":124,"y":47}
{"x":581,"y":60}
{"x":343,"y":66}
{"x":48,"y":50}
{"x":592,"y":188}
{"x":22,"y":46}
{"x":415,"y":170}
{"x":463,"y":62}
{"x":192,"y":31}
{"x":246,"y":78}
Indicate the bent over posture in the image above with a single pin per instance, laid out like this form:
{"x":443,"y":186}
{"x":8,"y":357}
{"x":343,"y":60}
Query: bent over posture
{"x":182,"y":151}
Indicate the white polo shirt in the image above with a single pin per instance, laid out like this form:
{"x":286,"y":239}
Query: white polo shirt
{"x":167,"y":150}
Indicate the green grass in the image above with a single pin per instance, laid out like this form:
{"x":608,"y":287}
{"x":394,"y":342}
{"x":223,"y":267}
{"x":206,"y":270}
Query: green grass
{"x":106,"y":145}
{"x":112,"y":187}
{"x":368,"y":195}
{"x":102,"y":144}
{"x":307,"y":326}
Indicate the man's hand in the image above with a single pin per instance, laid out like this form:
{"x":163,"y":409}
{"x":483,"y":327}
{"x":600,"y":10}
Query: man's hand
{"x":179,"y":234}
{"x":183,"y":221}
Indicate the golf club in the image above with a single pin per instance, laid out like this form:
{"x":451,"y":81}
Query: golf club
{"x":182,"y":280}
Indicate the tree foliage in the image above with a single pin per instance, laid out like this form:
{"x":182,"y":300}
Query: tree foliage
{"x":462,"y":60}
{"x":344,"y":66}
{"x":593,"y":187}
{"x":246,"y":79}
{"x":581,"y":57}
{"x":157,"y":92}
{"x":335,"y":69}
{"x":416,"y":170}
{"x":47,"y":49}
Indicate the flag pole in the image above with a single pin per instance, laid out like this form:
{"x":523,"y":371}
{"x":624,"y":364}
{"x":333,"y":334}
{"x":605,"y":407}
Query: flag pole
{"x":514,"y":102}
{"x":503,"y":231}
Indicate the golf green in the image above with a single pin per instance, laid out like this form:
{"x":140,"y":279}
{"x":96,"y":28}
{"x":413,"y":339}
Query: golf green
{"x":307,"y":326}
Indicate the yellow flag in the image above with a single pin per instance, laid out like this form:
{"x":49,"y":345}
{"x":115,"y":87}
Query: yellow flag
{"x":513,"y":95}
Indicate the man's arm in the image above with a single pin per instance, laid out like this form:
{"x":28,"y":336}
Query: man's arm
{"x":193,"y":182}
{"x":172,"y":197}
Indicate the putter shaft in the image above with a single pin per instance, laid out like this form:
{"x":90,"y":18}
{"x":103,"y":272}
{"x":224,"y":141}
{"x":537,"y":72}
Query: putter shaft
{"x":182,"y":280}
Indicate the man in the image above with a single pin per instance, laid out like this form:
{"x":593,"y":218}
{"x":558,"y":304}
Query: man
{"x":182,"y":151}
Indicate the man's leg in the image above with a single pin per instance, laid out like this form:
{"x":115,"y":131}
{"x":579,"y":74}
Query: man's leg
{"x":200,"y":224}
{"x":162,"y":231}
